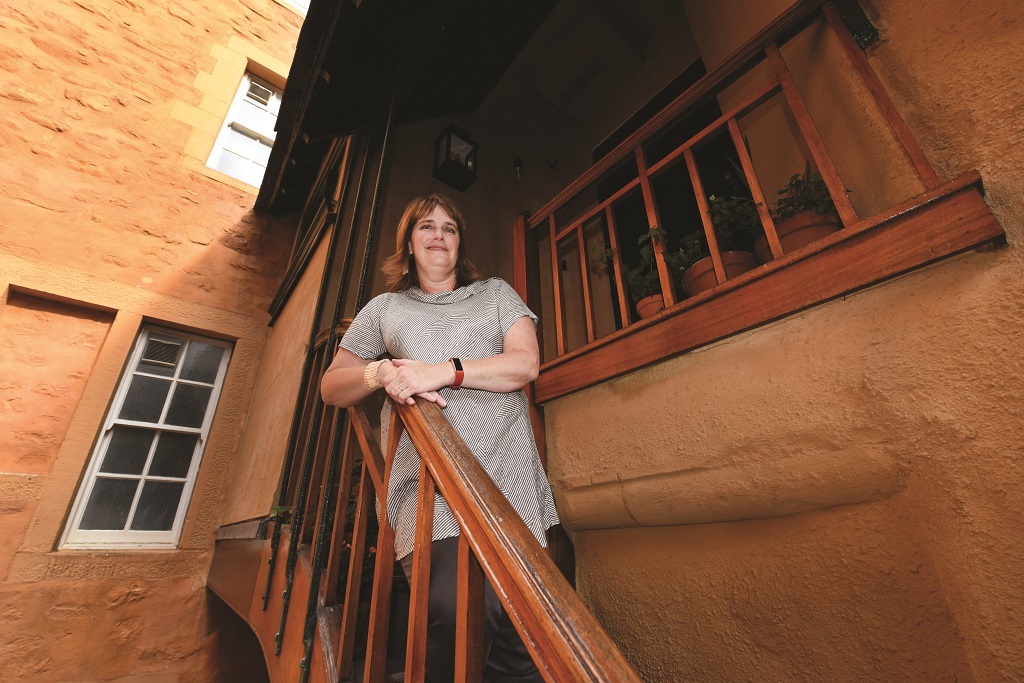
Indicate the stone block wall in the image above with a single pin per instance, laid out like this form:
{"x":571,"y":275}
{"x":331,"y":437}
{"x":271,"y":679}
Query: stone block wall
{"x":109,"y":220}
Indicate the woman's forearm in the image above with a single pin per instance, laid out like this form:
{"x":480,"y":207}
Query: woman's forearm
{"x":508,"y":371}
{"x":512,"y":369}
{"x":343,"y":385}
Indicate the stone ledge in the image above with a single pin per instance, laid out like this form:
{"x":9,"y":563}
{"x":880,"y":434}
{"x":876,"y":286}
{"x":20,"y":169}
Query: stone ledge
{"x":85,"y":289}
{"x":81,"y":565}
{"x":756,"y":490}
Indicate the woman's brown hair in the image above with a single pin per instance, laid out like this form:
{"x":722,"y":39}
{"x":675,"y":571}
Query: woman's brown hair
{"x":400,"y":268}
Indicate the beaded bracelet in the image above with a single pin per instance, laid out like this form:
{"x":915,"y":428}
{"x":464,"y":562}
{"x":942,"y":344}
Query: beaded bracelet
{"x":370,"y":375}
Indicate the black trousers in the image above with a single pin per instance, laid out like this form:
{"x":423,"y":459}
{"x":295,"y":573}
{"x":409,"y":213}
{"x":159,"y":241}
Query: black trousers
{"x":506,"y":658}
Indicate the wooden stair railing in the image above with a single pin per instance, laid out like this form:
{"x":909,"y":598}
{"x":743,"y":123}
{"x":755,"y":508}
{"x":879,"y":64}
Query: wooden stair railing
{"x":346,"y":637}
{"x":327,"y":575}
{"x":563,"y":637}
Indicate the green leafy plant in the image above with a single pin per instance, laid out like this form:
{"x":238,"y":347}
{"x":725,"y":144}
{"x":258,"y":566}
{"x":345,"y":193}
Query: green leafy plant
{"x":691,"y":249}
{"x":280,"y":513}
{"x":642,"y":279}
{"x":803,"y":192}
{"x":736,"y":221}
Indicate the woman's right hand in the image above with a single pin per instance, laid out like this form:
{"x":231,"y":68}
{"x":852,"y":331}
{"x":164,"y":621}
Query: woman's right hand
{"x":404,"y":378}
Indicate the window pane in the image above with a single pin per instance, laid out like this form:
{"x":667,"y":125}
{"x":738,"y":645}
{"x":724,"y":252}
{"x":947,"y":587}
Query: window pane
{"x":145,"y":399}
{"x":128,"y":449}
{"x":109,"y":504}
{"x":188,"y":407}
{"x":254,"y":175}
{"x":232,"y":164}
{"x":173,"y":455}
{"x":202,"y":362}
{"x":261,"y":154}
{"x":157,"y":506}
{"x":257,"y":120}
{"x":240,"y":143}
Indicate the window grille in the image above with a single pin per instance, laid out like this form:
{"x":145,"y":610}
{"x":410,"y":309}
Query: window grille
{"x":144,"y":466}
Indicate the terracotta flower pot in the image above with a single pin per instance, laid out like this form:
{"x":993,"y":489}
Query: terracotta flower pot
{"x":650,"y":305}
{"x":700,"y":276}
{"x":797,"y":232}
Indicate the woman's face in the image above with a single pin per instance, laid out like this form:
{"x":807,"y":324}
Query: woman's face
{"x":434,"y":243}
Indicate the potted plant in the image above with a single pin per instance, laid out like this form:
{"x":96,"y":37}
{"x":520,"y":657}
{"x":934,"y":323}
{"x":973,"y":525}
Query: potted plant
{"x":736,"y":222}
{"x":642,"y":280}
{"x":804,"y":213}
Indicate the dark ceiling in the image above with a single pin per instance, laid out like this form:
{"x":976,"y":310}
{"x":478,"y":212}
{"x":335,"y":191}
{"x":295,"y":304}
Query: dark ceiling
{"x":445,"y":54}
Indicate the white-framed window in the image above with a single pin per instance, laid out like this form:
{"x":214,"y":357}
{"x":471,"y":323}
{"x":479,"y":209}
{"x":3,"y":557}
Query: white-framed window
{"x":243,"y":145}
{"x":141,"y":474}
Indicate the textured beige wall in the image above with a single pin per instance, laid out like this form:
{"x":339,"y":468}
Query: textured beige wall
{"x":256,"y":469}
{"x":45,"y":345}
{"x":102,"y":188}
{"x":120,"y":629}
{"x":105,"y":226}
{"x":906,"y":397}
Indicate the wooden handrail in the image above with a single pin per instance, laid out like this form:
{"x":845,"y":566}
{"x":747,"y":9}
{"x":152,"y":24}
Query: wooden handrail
{"x":565,"y":640}
{"x":563,"y":637}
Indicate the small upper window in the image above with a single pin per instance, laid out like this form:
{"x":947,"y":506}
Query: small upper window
{"x":244,"y":143}
{"x":139,"y":481}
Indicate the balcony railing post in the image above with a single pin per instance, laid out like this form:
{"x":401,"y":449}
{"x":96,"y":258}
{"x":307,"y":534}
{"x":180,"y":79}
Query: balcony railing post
{"x":815,"y":144}
{"x":299,"y":515}
{"x":588,"y":307}
{"x":519,"y":257}
{"x":755,"y":189}
{"x":620,"y":285}
{"x":885,"y":104}
{"x":371,"y":480}
{"x":556,"y":283}
{"x":705,"y":215}
{"x":653,"y":221}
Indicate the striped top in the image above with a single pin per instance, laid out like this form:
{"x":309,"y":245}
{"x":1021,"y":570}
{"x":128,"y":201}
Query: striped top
{"x":467,"y":323}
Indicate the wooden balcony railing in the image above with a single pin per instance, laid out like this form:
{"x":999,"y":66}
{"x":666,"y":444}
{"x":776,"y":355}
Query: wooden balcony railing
{"x":348,"y":619}
{"x":946,"y":217}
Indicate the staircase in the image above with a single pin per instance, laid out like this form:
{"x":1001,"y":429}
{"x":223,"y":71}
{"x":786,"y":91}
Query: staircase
{"x":298,"y":580}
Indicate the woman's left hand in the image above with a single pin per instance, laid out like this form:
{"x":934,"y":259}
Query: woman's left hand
{"x":415,"y":378}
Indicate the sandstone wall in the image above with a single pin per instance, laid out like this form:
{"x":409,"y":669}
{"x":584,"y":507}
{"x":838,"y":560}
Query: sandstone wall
{"x":911,"y":388}
{"x":109,"y":220}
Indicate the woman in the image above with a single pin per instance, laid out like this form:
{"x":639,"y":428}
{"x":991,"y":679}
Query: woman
{"x":469,"y":345}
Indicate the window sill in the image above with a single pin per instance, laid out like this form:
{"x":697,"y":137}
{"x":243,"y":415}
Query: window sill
{"x":926,"y":228}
